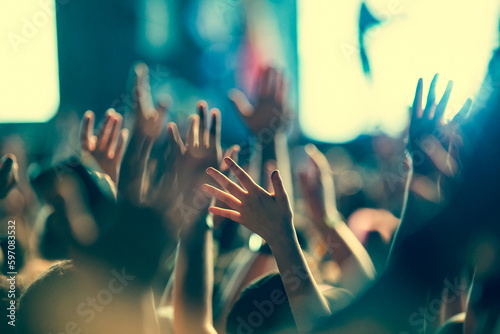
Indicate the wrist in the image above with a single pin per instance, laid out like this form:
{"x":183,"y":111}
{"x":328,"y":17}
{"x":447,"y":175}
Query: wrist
{"x":284,"y":239}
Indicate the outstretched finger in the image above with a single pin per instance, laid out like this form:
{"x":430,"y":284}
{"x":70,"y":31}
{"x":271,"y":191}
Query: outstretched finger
{"x":230,"y":214}
{"x":215,"y":126}
{"x":202,"y":110}
{"x":226,"y":183}
{"x":241,"y":103}
{"x":142,"y":89}
{"x":174,"y":139}
{"x":222,"y":196}
{"x":232,"y":153}
{"x":87,"y":139}
{"x":192,"y":134}
{"x":431,"y":99}
{"x":279,"y":189}
{"x":8,"y":174}
{"x":441,"y":107}
{"x":462,"y":114}
{"x":416,"y":110}
{"x":114,"y":135}
{"x":245,"y":180}
{"x":105,"y":131}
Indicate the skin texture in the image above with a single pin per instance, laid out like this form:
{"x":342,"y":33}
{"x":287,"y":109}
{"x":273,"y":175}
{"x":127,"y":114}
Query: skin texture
{"x":108,"y":144}
{"x":341,"y":243}
{"x":270,"y":216}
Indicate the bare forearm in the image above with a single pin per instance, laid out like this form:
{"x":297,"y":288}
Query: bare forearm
{"x":194,"y":281}
{"x":134,"y":167}
{"x":350,"y":254}
{"x":306,"y":301}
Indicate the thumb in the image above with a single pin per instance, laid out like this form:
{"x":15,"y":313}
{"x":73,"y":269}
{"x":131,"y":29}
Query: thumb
{"x":241,"y":103}
{"x":279,"y":189}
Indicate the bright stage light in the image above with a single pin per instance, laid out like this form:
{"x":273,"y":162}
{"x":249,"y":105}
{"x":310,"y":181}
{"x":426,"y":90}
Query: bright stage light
{"x":28,"y":61}
{"x":414,"y":39}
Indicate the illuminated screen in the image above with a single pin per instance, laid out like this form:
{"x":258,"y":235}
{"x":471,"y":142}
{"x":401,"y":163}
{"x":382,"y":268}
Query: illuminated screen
{"x":340,"y":98}
{"x":28,"y":61}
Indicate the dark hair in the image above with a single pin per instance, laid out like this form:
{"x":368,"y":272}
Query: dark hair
{"x":263,"y":307}
{"x":44,"y":298}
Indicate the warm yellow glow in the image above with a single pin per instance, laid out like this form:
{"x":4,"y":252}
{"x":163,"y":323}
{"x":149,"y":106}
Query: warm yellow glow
{"x":28,"y":61}
{"x":416,"y":39}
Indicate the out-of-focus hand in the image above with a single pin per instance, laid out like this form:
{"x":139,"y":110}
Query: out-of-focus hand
{"x":148,"y":125}
{"x":8,"y":174}
{"x":270,"y":112}
{"x":267,"y":214}
{"x":108,"y":145}
{"x":429,"y":138}
{"x":148,"y":118}
{"x":186,"y":164}
{"x":318,"y":187}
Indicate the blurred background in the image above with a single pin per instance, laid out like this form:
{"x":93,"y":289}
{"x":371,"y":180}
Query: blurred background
{"x":352,"y":68}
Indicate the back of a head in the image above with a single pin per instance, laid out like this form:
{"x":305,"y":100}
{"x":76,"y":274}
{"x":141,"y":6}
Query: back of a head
{"x":262,"y":308}
{"x":70,"y":299}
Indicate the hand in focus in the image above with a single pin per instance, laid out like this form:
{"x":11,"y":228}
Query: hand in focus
{"x":270,"y":112}
{"x":108,"y":145}
{"x":267,"y":214}
{"x":8,"y":174}
{"x":318,"y":187}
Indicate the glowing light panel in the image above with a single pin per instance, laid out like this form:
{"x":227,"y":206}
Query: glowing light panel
{"x":29,"y":87}
{"x":415,"y":39}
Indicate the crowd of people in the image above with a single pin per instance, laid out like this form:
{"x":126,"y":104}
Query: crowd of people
{"x":148,"y":231}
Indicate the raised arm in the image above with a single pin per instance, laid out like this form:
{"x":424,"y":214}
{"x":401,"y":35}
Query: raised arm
{"x":270,"y":216}
{"x":193,"y":285}
{"x":148,"y":125}
{"x":107,"y":145}
{"x":433,"y":147}
{"x":267,"y":121}
{"x":342,"y":244}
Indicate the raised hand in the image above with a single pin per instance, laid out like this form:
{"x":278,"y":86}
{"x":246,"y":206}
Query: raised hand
{"x":148,"y":118}
{"x":188,"y":161}
{"x":270,"y":216}
{"x":428,"y":136}
{"x":8,"y":174}
{"x":270,"y":112}
{"x":148,"y":125}
{"x":267,"y":214}
{"x":108,"y":145}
